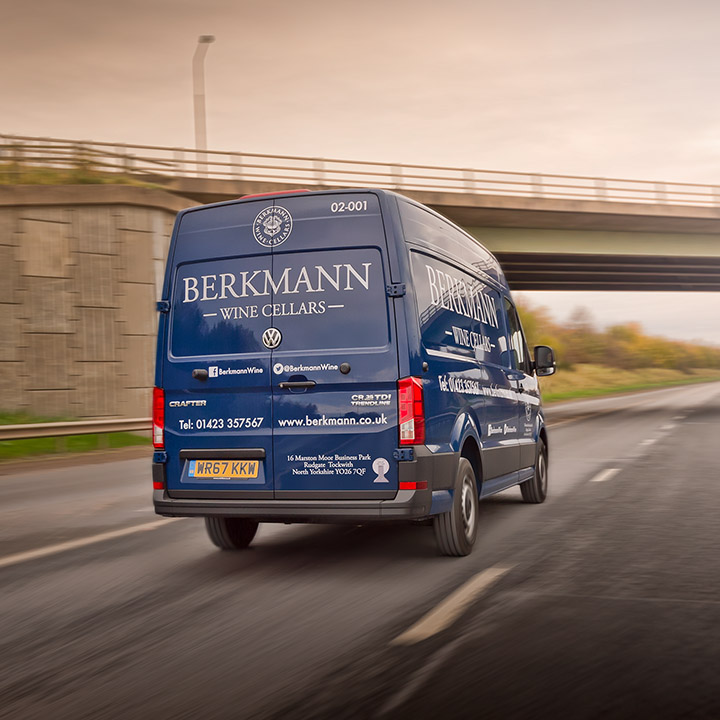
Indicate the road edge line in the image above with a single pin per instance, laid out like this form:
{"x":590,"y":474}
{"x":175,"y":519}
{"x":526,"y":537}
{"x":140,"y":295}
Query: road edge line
{"x":48,"y":550}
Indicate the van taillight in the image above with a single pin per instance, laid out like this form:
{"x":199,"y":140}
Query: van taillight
{"x":158,"y":418}
{"x":411,"y":411}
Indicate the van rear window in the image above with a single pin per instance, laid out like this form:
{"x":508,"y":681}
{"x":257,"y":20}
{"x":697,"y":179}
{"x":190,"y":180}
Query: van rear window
{"x":330,"y":299}
{"x":323,"y":286}
{"x":207,"y":319}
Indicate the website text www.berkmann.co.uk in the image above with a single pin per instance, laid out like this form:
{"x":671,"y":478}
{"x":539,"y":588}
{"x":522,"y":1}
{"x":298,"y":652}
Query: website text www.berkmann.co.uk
{"x":324,"y":421}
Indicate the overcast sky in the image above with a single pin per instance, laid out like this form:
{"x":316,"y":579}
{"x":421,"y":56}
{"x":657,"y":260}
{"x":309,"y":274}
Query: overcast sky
{"x":623,"y":88}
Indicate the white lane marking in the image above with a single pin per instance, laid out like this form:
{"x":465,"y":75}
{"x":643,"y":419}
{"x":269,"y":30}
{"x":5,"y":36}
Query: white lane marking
{"x":605,"y":474}
{"x":557,"y":423}
{"x":679,"y":417}
{"x":667,"y":427}
{"x":81,"y":542}
{"x":649,"y":441}
{"x":420,"y":678}
{"x":449,"y":610}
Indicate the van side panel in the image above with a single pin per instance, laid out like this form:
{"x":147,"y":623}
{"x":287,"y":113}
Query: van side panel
{"x":458,"y":289}
{"x":464,"y":339}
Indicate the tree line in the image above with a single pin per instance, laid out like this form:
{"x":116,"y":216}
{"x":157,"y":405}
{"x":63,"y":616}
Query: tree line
{"x":626,"y":346}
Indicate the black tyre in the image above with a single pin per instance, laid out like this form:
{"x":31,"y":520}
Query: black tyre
{"x":230,"y":533}
{"x":455,"y":531}
{"x":535,"y":489}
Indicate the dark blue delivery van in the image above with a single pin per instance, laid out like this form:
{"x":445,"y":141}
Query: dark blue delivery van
{"x":340,"y":357}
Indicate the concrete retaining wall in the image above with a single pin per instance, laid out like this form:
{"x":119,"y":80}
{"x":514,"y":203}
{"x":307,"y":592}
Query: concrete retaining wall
{"x":80,"y":270}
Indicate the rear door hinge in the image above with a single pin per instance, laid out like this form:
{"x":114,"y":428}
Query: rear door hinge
{"x":163,"y":306}
{"x":395,"y":289}
{"x":403,"y":454}
{"x":159,"y":456}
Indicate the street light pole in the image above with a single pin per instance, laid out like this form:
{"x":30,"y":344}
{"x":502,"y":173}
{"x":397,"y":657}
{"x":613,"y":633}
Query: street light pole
{"x":199,"y":101}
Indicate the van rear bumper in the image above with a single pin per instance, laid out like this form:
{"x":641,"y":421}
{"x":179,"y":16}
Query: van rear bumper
{"x":435,"y":469}
{"x":407,"y":504}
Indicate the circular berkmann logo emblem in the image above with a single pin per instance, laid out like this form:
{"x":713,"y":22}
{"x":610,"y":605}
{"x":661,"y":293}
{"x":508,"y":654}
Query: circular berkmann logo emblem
{"x":272,"y":226}
{"x":271,"y":338}
{"x":380,"y":466}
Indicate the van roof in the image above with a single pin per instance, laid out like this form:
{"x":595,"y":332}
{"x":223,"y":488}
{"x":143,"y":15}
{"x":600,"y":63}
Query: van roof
{"x":478,"y":255}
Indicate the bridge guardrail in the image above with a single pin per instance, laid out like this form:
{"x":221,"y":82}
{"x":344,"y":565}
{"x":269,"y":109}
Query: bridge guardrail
{"x":154,"y":163}
{"x":74,"y":427}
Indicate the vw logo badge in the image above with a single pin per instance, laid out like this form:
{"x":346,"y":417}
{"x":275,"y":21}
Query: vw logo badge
{"x":271,"y":338}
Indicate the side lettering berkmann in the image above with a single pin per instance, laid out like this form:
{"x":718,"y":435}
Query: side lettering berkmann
{"x":453,"y":294}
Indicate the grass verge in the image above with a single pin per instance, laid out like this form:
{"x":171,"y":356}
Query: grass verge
{"x":34,"y":447}
{"x":14,"y":174}
{"x":584,"y":381}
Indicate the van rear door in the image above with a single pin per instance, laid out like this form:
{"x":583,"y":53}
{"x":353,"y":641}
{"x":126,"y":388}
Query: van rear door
{"x":335,"y":367}
{"x":217,"y":372}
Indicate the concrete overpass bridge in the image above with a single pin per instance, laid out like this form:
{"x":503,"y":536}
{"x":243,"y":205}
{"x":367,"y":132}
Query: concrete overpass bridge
{"x":550,"y":232}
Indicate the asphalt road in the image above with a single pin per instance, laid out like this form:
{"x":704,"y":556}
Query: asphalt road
{"x":603,"y":602}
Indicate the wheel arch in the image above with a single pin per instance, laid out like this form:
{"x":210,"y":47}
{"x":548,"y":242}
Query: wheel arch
{"x":544,"y":437}
{"x":471,"y":451}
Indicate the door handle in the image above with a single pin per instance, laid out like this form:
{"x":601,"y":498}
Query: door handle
{"x":290,"y":384}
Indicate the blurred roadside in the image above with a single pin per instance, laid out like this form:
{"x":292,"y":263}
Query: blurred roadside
{"x":567,"y":395}
{"x":619,"y":358}
{"x":623,"y":347}
{"x":584,"y":381}
{"x":82,"y":265}
{"x":64,"y":450}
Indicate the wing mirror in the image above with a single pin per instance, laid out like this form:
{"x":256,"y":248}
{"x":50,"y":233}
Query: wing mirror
{"x":544,"y":360}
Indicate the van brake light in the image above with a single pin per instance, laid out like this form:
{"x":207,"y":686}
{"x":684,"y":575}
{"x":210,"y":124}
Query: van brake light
{"x":411,"y":411}
{"x":158,"y":418}
{"x":271,"y":194}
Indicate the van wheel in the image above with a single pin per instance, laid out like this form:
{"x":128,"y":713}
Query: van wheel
{"x":230,"y":533}
{"x":455,"y":531}
{"x":535,"y":489}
